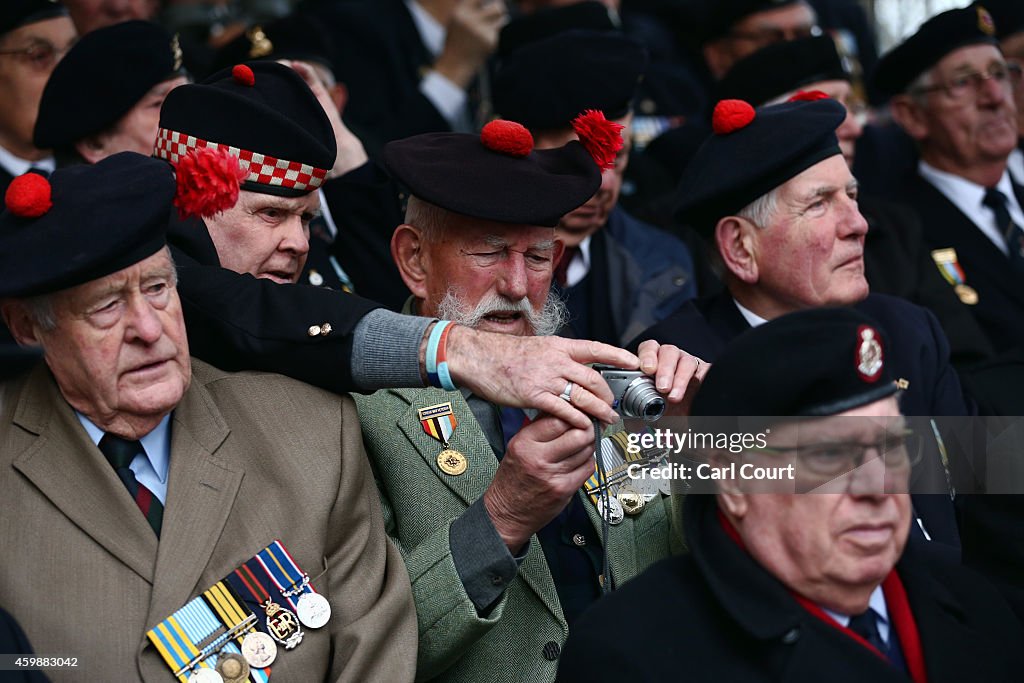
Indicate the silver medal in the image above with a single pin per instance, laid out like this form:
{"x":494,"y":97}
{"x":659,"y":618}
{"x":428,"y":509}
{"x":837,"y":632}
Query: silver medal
{"x":615,"y":512}
{"x":313,"y":609}
{"x":259,"y":649}
{"x":205,"y":676}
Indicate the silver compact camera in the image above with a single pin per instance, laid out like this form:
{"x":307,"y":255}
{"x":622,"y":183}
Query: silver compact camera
{"x":634,"y":393}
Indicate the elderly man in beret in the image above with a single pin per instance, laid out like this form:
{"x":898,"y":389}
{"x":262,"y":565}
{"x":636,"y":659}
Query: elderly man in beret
{"x":137,"y":477}
{"x":238,"y":264}
{"x":772,"y":194}
{"x":896,"y":259}
{"x":34,"y":35}
{"x":83,"y":118}
{"x":618,"y":275}
{"x":503,"y":547}
{"x":952,"y":92}
{"x":812,"y":577}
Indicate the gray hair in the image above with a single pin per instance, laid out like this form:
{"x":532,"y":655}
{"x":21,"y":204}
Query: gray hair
{"x":762,"y":210}
{"x":430,"y":219}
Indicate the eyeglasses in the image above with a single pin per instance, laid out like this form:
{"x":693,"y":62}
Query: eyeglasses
{"x":769,"y":36}
{"x":899,"y":451}
{"x":40,"y":55}
{"x":963,"y":86}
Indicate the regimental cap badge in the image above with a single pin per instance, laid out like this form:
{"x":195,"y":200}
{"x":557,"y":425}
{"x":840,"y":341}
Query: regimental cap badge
{"x":176,"y":52}
{"x":869,"y":354}
{"x":986,"y":24}
{"x":259,"y":45}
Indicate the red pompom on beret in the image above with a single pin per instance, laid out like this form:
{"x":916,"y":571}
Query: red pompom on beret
{"x":28,"y":196}
{"x":243,"y":75}
{"x":507,"y":137}
{"x":731,"y":115}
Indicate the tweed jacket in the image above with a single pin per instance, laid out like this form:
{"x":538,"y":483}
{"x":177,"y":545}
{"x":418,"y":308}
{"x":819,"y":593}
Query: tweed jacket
{"x":420,"y":502}
{"x":254,"y":457}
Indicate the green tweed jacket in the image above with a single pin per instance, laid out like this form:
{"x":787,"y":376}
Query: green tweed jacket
{"x":420,"y":501}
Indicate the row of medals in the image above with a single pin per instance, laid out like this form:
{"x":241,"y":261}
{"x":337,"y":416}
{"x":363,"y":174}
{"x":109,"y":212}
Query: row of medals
{"x":259,"y":649}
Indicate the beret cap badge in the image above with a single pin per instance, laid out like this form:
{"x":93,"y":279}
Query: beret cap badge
{"x":986,"y":24}
{"x":869,"y":354}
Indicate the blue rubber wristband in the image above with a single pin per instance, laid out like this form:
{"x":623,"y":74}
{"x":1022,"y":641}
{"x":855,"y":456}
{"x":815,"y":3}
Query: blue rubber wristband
{"x":431,"y":356}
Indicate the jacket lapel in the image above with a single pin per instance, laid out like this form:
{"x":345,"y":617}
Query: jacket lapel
{"x":69,"y":469}
{"x":469,"y":439}
{"x":202,"y":485}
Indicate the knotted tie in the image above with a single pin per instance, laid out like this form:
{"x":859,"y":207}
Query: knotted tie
{"x":866,"y":626}
{"x":1012,"y":235}
{"x":120,"y":453}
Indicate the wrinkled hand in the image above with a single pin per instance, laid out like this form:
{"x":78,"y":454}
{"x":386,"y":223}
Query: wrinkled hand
{"x":351,"y":153}
{"x":472,"y":37}
{"x":677,"y":374}
{"x":546,"y":463}
{"x":531,"y":372}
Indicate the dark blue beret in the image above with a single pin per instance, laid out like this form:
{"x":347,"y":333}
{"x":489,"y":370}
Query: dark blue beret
{"x":457,"y":172}
{"x":298,"y":36}
{"x":103,"y":218}
{"x":262,"y":112}
{"x":817,"y":362}
{"x":781,"y":68}
{"x":17,"y":13}
{"x":101,"y":78}
{"x":589,"y":15}
{"x":546,"y":84}
{"x":936,"y":38}
{"x":719,"y":16}
{"x":1008,"y":15}
{"x":731,"y":170}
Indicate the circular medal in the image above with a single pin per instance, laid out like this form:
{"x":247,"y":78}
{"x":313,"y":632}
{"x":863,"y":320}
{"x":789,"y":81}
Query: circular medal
{"x":967,"y":294}
{"x":632,"y":502}
{"x":313,"y":609}
{"x":452,"y":462}
{"x":615,"y":512}
{"x":205,"y":676}
{"x":232,"y":668}
{"x":315,"y":278}
{"x":259,"y":649}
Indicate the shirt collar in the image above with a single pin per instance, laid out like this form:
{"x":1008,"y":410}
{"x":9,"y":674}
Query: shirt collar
{"x":17,"y":166}
{"x":156,"y":445}
{"x":876,"y":603}
{"x":432,"y":33}
{"x":753,"y":319}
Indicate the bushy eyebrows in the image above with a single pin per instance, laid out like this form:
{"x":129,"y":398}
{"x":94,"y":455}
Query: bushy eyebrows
{"x":498,"y":242}
{"x":825,"y":190}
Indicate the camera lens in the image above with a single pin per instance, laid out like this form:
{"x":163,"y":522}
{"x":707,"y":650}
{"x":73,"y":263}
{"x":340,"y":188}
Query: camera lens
{"x":642,"y":400}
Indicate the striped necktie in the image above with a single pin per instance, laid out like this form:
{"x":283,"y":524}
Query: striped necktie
{"x":1012,"y":235}
{"x":120,"y":453}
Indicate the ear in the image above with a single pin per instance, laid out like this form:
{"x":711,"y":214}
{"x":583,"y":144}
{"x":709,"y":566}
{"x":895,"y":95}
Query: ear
{"x":19,"y":323}
{"x":910,"y":116}
{"x":93,"y":148}
{"x":737,"y":244}
{"x":557,"y":255}
{"x":407,"y":252}
{"x":339,"y":95}
{"x":731,"y":498}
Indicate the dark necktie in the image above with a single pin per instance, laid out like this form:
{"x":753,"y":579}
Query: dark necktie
{"x":1012,"y":235}
{"x":120,"y":453}
{"x":866,"y":626}
{"x":562,"y":267}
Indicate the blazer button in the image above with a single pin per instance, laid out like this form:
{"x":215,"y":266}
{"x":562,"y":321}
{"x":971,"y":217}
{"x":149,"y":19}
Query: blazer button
{"x":579,"y":540}
{"x":496,"y":580}
{"x":792,"y":635}
{"x":552,"y":650}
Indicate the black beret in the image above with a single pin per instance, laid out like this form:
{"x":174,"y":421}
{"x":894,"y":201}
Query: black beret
{"x":821,"y":361}
{"x":103,"y":217}
{"x":101,"y":78}
{"x":546,"y":84}
{"x":589,"y":15}
{"x":781,"y":68}
{"x":460,"y":173}
{"x":17,"y":13}
{"x":261,"y":112}
{"x":936,"y":38}
{"x":297,"y":36}
{"x":732,"y":169}
{"x":1008,"y":15}
{"x":721,"y":15}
